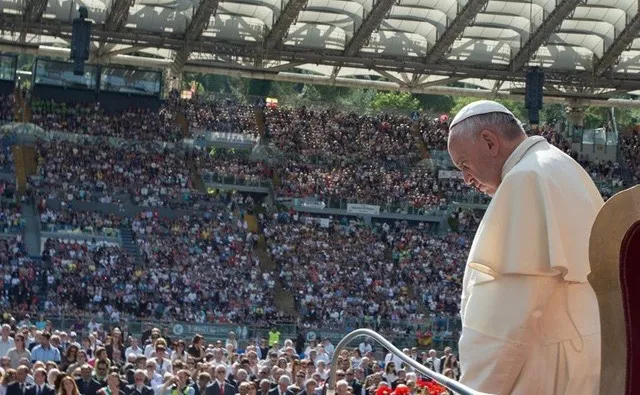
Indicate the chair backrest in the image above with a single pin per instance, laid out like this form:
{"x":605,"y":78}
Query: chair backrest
{"x":614,"y":253}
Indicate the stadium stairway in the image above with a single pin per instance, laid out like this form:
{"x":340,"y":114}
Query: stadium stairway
{"x":196,"y":179}
{"x":31,"y":234}
{"x":422,"y":146}
{"x":26,"y":165}
{"x":252,"y":223}
{"x":260,"y":120}
{"x":388,"y":255}
{"x":283,"y":299}
{"x":129,"y":245}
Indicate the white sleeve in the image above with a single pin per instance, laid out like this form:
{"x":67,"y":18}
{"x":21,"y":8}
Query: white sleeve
{"x":500,"y":324}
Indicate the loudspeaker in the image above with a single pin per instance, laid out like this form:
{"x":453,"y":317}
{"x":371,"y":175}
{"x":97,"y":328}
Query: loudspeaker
{"x":259,"y":88}
{"x":80,"y":40}
{"x":534,"y":87}
{"x":534,"y":93}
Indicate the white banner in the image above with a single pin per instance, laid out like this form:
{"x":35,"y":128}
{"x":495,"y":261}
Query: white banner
{"x":363,"y":209}
{"x":449,"y":174}
{"x":314,"y":205}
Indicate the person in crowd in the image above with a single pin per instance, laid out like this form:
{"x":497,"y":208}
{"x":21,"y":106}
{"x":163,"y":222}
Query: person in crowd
{"x":139,"y":387}
{"x":113,"y":385}
{"x":219,"y":385}
{"x":21,"y":386}
{"x":68,"y":386}
{"x":18,"y":352}
{"x":41,"y":387}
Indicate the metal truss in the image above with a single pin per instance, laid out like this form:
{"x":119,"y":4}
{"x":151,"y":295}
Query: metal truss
{"x":542,"y":33}
{"x":371,"y":22}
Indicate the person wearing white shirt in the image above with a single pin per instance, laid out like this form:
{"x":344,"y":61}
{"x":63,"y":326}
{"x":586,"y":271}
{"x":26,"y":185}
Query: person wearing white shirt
{"x":6,"y":342}
{"x":134,"y":348}
{"x":163,"y":365}
{"x":155,"y":380}
{"x":433,"y":361}
{"x":365,"y":347}
{"x":393,"y":358}
{"x":328,"y":347}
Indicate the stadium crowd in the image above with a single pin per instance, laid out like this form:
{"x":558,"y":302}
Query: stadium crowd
{"x":226,"y":116}
{"x":135,"y":123}
{"x":107,"y":174}
{"x":630,"y":147}
{"x":90,"y":359}
{"x":367,"y":276}
{"x":203,"y":268}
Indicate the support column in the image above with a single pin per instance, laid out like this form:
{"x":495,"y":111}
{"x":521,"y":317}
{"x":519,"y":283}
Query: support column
{"x":172,"y":80}
{"x":575,"y":112}
{"x":576,"y":116}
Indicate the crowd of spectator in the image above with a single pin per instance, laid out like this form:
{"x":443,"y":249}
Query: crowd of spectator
{"x":360,"y":183}
{"x":37,"y":357}
{"x":106,"y":173}
{"x":134,"y":123}
{"x":231,"y":166}
{"x":88,"y":278}
{"x":345,"y":274}
{"x":226,"y":116}
{"x":202,"y":268}
{"x":66,"y":219}
{"x":7,"y":111}
{"x":340,"y":136}
{"x":18,"y":290}
{"x":10,"y":216}
{"x":630,"y":149}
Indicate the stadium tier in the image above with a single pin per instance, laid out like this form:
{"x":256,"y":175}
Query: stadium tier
{"x":135,"y":246}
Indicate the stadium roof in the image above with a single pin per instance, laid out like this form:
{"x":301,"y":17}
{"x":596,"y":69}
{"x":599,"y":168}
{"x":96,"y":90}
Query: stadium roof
{"x":414,"y":44}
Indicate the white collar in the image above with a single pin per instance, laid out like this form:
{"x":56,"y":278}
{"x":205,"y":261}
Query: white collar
{"x":519,"y":153}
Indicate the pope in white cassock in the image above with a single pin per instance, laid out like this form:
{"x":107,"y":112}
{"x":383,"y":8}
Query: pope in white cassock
{"x":530,"y":321}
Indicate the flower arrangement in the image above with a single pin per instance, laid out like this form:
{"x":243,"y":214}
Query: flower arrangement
{"x":430,"y":387}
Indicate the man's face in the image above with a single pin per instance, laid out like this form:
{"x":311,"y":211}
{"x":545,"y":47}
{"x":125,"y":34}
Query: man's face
{"x":476,"y":159}
{"x":5,"y":331}
{"x":86,"y":373}
{"x":310,"y":387}
{"x":101,"y":370}
{"x":113,"y":381}
{"x":221,"y":374}
{"x":40,"y":377}
{"x":139,"y":378}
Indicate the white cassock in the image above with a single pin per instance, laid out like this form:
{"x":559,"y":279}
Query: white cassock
{"x":530,"y":321}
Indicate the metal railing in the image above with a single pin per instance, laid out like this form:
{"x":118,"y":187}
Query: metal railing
{"x":450,"y":384}
{"x":230,"y":179}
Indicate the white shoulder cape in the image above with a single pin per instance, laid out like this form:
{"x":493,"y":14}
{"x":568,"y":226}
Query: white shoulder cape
{"x":540,"y":218}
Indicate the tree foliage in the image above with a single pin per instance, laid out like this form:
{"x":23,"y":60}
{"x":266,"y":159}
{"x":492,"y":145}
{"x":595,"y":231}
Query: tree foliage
{"x":395,"y":101}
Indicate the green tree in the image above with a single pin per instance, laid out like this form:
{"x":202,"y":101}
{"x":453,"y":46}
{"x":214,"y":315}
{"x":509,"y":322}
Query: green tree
{"x":436,"y":103}
{"x":551,"y":113}
{"x":395,"y":101}
{"x":357,"y":99}
{"x":186,"y":85}
{"x":516,"y":107}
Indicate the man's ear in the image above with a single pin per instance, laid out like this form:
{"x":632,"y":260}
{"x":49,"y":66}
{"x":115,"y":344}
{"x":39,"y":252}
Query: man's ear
{"x":491,"y":141}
